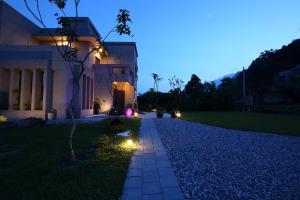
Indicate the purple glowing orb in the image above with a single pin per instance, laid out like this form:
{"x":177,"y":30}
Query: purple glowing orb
{"x":128,"y":112}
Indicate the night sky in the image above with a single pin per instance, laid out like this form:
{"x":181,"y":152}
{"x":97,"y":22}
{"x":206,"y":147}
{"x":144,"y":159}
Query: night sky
{"x":210,"y":38}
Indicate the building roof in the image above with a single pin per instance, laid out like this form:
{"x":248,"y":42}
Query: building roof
{"x":4,"y":5}
{"x":85,"y":28}
{"x":123,"y":44}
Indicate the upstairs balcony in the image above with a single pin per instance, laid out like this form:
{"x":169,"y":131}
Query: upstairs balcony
{"x":117,"y":72}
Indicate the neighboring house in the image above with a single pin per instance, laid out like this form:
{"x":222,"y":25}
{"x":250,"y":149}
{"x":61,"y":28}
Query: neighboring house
{"x":34,"y":79}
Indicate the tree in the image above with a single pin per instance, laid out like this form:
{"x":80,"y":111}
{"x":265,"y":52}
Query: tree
{"x":194,"y":86}
{"x":156,"y":79}
{"x":67,"y":31}
{"x":226,"y":93}
{"x":176,"y":85}
{"x":208,"y":100}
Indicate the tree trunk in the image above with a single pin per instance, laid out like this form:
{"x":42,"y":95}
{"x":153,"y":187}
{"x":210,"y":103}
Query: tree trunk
{"x":72,"y":131}
{"x":72,"y":110}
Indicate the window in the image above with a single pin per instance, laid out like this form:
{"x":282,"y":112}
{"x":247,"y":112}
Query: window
{"x":118,"y":70}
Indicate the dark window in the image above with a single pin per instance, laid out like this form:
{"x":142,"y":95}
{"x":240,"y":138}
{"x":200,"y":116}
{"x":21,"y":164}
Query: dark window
{"x":118,"y":70}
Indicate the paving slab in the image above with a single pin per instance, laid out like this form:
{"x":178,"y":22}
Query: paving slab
{"x":150,"y":174}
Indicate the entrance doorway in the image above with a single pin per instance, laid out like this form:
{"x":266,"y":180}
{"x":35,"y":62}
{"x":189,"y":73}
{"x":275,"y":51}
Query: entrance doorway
{"x":119,"y":100}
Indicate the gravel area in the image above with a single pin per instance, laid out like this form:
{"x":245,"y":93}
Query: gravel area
{"x":216,"y":163}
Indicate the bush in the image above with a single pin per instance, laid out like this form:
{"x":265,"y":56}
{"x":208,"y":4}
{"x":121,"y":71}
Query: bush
{"x":173,"y":114}
{"x":116,"y":125}
{"x":97,"y":106}
{"x":27,"y":106}
{"x":159,"y":114}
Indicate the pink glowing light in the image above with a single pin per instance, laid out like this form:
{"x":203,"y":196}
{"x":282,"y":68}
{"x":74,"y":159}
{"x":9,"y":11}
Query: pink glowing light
{"x":128,"y":112}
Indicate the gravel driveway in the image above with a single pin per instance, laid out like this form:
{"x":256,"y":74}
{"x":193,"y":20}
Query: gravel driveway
{"x":217,"y":163}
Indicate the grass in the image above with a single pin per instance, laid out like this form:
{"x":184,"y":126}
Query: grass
{"x":31,"y":163}
{"x":271,"y":123}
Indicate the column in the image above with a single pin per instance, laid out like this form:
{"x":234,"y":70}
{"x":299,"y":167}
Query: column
{"x":34,"y":85}
{"x":11,"y":89}
{"x":88,"y":93}
{"x":45,"y":82}
{"x":22,"y":90}
{"x":92,"y":94}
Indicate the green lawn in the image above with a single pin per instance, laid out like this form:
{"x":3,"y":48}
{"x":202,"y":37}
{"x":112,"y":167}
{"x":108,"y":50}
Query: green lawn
{"x":272,"y":123}
{"x":31,"y":163}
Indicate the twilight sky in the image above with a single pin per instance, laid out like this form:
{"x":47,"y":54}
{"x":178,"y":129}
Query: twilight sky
{"x":210,"y":38}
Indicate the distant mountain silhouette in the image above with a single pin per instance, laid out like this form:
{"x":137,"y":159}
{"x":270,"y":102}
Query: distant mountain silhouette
{"x":219,"y":80}
{"x":262,"y":73}
{"x":263,"y":70}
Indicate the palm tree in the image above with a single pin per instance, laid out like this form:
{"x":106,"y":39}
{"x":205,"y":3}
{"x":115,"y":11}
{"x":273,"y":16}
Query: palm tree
{"x":156,"y":79}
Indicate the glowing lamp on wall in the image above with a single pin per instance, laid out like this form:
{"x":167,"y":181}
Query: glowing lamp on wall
{"x":128,"y":112}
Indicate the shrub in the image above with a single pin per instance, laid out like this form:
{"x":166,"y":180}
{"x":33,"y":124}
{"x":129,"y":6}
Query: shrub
{"x":116,"y":125}
{"x":159,"y":113}
{"x":173,"y":114}
{"x":27,"y":106}
{"x":97,"y":105}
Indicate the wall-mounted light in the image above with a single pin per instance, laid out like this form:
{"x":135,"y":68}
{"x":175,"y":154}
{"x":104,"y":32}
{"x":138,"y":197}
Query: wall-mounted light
{"x":101,"y":50}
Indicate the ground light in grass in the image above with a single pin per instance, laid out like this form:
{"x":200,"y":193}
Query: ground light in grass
{"x":130,"y":144}
{"x":3,"y":118}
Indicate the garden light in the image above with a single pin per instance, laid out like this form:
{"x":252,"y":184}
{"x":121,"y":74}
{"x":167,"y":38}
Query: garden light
{"x":128,"y":112}
{"x":129,"y":142}
{"x":129,"y":145}
{"x":178,"y":115}
{"x":136,"y":114}
{"x":3,"y":118}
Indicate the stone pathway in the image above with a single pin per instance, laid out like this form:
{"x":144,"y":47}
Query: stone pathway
{"x":150,"y":175}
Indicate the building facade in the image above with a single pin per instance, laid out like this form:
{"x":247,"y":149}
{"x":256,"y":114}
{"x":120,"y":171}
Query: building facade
{"x":35,"y":79}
